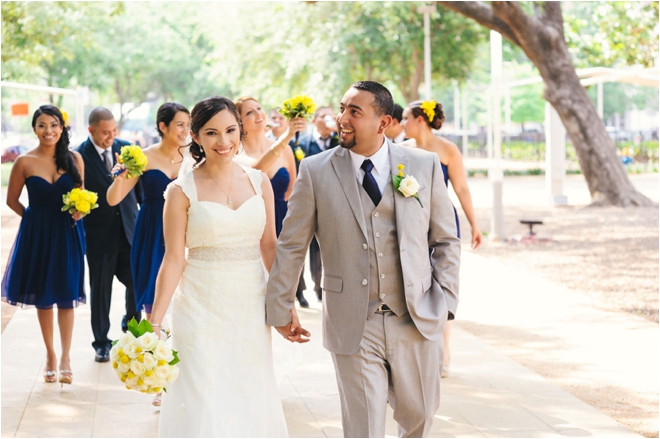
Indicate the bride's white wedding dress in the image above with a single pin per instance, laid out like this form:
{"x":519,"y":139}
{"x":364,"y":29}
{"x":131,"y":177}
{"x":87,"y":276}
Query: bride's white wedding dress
{"x":226,"y":385}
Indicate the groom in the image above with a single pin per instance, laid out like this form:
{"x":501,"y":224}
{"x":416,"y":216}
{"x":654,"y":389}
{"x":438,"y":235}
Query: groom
{"x":385,"y":301}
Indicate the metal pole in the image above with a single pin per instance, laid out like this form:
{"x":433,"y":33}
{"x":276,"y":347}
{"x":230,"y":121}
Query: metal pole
{"x":465,"y":124}
{"x":495,"y":173}
{"x":600,"y":100}
{"x":427,"y":55}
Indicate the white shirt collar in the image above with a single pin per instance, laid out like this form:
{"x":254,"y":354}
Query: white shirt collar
{"x":380,"y":159}
{"x":100,"y":150}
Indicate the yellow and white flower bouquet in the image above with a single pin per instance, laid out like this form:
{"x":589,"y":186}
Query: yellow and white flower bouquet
{"x":142,"y":361}
{"x":298,"y":106}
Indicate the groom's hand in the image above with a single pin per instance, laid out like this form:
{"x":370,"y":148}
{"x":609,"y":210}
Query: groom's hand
{"x":294,"y":334}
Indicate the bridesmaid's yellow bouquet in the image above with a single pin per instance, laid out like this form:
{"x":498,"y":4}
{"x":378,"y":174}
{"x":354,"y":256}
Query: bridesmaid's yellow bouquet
{"x":132,"y":157}
{"x":142,"y":361}
{"x":79,"y":200}
{"x":298,"y":106}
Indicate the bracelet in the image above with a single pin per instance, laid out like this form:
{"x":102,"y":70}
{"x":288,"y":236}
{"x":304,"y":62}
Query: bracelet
{"x":156,"y":324}
{"x":274,"y":153}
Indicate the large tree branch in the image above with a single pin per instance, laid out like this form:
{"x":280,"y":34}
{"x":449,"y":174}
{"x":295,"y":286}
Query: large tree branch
{"x":484,"y":15}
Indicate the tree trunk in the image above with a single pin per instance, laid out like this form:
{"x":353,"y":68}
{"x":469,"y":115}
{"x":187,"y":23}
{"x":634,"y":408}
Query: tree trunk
{"x":410,"y":89}
{"x":542,"y":39}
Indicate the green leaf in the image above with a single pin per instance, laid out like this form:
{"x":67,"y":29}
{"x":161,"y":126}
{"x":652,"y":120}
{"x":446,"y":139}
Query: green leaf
{"x":176,"y":358}
{"x":396,"y":180}
{"x":145,"y":327}
{"x":133,"y":327}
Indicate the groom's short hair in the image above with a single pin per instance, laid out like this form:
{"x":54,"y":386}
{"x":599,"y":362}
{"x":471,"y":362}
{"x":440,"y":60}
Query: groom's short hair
{"x":383,"y":104}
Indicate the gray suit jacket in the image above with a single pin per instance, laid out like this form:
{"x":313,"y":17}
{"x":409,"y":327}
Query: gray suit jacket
{"x":325,"y":202}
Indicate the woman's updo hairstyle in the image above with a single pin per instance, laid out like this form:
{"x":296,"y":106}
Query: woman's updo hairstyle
{"x":166,"y":113}
{"x":239,"y":105}
{"x":420,"y":108}
{"x":64,"y":158}
{"x":203,"y":111}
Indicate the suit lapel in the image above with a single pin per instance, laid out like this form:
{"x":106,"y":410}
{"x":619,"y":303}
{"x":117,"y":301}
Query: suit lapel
{"x":94,"y":159}
{"x":341,"y":162}
{"x":397,"y":157}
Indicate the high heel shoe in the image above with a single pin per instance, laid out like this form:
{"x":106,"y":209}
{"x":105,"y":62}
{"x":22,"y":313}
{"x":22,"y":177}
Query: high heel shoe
{"x":66,"y":377}
{"x":50,"y":376}
{"x":157,"y":399}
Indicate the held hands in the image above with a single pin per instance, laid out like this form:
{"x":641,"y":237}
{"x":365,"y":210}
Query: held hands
{"x":293,"y":331}
{"x":76,"y":215}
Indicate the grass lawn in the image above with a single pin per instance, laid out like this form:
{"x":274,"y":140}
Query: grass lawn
{"x":6,"y":169}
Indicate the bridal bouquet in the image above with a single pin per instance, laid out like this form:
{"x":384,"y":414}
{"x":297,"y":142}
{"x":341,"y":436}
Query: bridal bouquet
{"x":298,"y":106}
{"x":142,"y":361}
{"x":79,"y":200}
{"x":133,"y":159}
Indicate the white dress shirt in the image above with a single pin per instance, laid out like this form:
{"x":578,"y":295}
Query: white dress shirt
{"x":323,"y":143}
{"x":381,"y":162}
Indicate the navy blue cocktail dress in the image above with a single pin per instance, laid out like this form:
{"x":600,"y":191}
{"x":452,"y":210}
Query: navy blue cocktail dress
{"x":46,"y":265}
{"x":446,"y":174}
{"x":148,"y":247}
{"x":280,"y":183}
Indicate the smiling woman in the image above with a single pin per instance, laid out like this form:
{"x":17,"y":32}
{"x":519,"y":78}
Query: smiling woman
{"x":223,"y":213}
{"x":46,"y":265}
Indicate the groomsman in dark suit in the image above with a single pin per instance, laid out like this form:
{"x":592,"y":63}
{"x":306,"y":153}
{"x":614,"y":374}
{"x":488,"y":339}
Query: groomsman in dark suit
{"x":108,"y":229}
{"x":395,"y":131}
{"x":322,"y":138}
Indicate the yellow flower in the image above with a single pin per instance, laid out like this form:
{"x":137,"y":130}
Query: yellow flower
{"x":93,"y":197}
{"x":140,"y":358}
{"x":124,"y":359}
{"x":114,"y":365}
{"x":74,"y":195}
{"x":429,"y":108}
{"x":400,"y":173}
{"x":65,"y":117}
{"x":148,"y":372}
{"x":156,"y":389}
{"x":162,"y":362}
{"x":130,"y":375}
{"x":83,"y":207}
{"x":300,"y":154}
{"x":400,"y":167}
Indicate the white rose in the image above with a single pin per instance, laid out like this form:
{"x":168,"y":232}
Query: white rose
{"x":113,"y":352}
{"x":174,"y":374}
{"x":133,"y":349}
{"x":131,"y":382}
{"x":123,"y":368}
{"x":408,"y":186}
{"x":125,"y":339}
{"x":163,"y":352}
{"x":162,"y":372}
{"x":137,"y":367}
{"x":149,"y":360}
{"x":148,"y":341}
{"x":150,"y":381}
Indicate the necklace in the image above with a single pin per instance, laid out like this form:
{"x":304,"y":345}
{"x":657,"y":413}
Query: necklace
{"x":231,"y":181}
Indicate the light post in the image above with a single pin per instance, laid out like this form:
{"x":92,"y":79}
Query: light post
{"x":427,"y":10}
{"x":495,"y":173}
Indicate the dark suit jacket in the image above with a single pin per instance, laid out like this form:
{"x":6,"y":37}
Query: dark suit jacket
{"x":104,"y":225}
{"x":310,"y":146}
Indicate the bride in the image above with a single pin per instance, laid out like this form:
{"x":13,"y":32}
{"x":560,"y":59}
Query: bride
{"x":223,"y":213}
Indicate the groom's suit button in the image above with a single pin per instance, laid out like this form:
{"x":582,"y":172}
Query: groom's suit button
{"x":364,"y":246}
{"x":376,"y":214}
{"x":382,"y":296}
{"x":364,"y":281}
{"x":382,"y":276}
{"x":377,"y":234}
{"x":380,"y":255}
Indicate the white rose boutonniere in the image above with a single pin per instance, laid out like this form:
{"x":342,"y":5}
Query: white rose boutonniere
{"x":408,"y":185}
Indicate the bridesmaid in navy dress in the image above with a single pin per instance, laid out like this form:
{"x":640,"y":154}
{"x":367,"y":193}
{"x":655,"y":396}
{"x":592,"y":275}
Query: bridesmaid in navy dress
{"x":46,"y":264}
{"x":163,"y":162}
{"x":419,"y":123}
{"x":274,"y":157}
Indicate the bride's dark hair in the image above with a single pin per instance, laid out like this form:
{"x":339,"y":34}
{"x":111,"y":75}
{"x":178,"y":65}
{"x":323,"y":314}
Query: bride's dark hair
{"x":203,"y":111}
{"x":64,"y":158}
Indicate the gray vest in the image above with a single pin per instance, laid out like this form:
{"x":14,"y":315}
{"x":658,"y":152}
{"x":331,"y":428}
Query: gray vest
{"x":385,"y":278}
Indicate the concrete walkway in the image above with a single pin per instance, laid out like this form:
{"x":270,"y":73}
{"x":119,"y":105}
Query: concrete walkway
{"x":487,"y":395}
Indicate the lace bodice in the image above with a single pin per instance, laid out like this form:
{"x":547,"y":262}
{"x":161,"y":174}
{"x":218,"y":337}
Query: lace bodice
{"x":213,"y":232}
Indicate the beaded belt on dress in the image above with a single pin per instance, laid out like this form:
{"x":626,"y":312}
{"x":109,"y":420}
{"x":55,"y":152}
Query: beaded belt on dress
{"x":225,"y":254}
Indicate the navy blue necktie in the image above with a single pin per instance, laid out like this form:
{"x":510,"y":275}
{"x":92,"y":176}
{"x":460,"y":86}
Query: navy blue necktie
{"x":369,"y":182}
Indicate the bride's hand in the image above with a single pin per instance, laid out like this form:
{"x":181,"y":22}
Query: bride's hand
{"x":298,"y":330}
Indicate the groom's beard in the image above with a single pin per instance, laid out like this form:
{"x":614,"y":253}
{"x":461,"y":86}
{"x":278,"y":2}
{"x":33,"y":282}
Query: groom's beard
{"x":348,"y":144}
